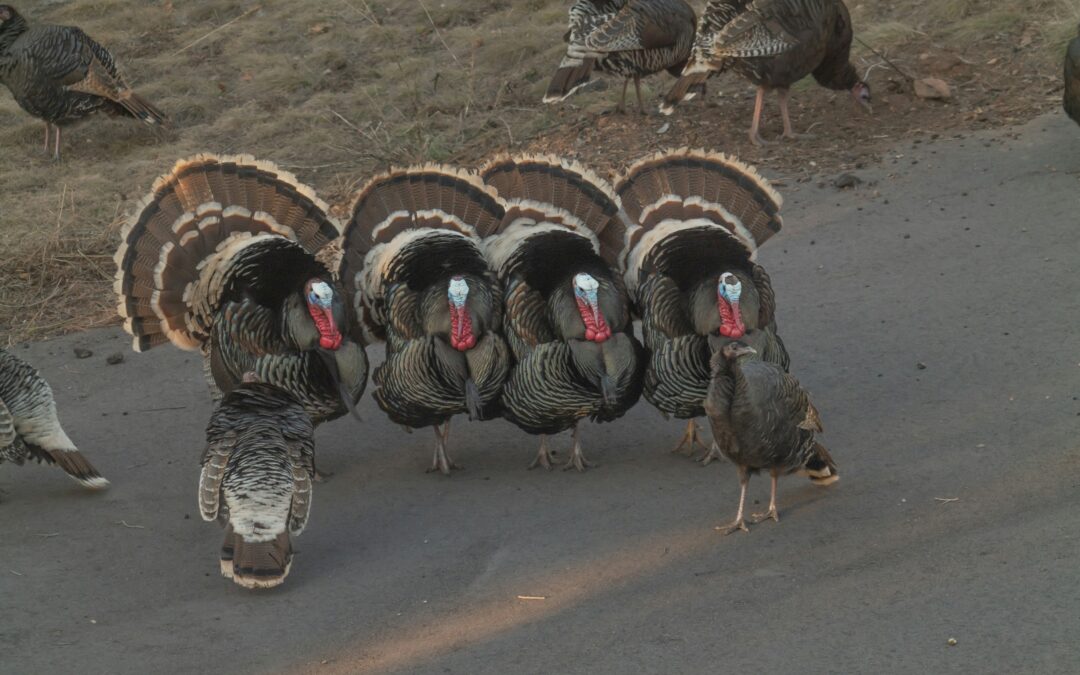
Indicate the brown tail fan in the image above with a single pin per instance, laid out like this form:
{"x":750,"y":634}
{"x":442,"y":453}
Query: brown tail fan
{"x":432,"y":197}
{"x":569,"y":78}
{"x":564,"y":184}
{"x":188,"y":216}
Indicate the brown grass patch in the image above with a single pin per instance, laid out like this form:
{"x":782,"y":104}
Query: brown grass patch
{"x":339,"y":90}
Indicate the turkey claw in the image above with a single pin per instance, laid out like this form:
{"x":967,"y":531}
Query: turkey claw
{"x":733,"y":527}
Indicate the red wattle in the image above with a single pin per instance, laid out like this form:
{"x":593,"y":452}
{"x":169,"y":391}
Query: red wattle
{"x":461,"y":334}
{"x":596,"y":329}
{"x":731,"y":324}
{"x":329,"y":336}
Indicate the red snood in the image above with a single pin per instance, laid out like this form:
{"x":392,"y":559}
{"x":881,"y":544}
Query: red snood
{"x":731,"y":324}
{"x":596,"y":329}
{"x":461,"y":335}
{"x":329,"y":336}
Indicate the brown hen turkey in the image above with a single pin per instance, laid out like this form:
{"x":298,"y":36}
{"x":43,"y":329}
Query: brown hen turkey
{"x":774,"y":44}
{"x":59,"y":74}
{"x":627,"y":38}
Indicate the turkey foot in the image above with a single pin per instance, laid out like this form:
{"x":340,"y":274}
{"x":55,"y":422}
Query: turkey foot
{"x":789,"y":132}
{"x":759,"y":103}
{"x":738,"y":523}
{"x":441,"y":462}
{"x":712,"y":455}
{"x":322,"y":476}
{"x":762,"y":517}
{"x":798,"y":137}
{"x":690,"y":440}
{"x":577,"y":457}
{"x":734,"y":526}
{"x":543,"y":456}
{"x":772,"y":512}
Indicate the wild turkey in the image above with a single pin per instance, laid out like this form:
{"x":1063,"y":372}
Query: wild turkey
{"x":60,"y":75}
{"x":626,"y":38}
{"x":29,"y":427}
{"x":700,"y":217}
{"x":774,"y":44}
{"x":220,"y":258}
{"x":413,"y":260}
{"x":567,"y":317}
{"x":763,"y":419}
{"x":256,"y":480}
{"x":1072,"y":79}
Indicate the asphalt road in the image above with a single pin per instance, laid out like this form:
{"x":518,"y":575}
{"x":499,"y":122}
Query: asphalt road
{"x":965,"y":261}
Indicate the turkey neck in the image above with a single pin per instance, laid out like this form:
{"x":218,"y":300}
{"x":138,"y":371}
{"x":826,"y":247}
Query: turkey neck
{"x":13,"y":28}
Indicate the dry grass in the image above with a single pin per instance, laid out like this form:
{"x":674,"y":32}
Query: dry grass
{"x":335,"y":91}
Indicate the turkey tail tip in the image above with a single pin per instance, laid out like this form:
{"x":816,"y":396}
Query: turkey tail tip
{"x":75,"y":465}
{"x":821,"y":469}
{"x":568,"y":79}
{"x":142,"y":109}
{"x":256,"y":565}
{"x":684,"y":89}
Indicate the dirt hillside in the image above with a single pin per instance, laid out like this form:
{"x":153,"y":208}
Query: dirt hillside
{"x":337,"y":91}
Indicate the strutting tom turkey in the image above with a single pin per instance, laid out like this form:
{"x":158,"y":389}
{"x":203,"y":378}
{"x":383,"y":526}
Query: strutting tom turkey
{"x":774,"y":44}
{"x":60,"y":75}
{"x":30,"y":428}
{"x":256,"y":480}
{"x":413,"y":262}
{"x":625,"y":38}
{"x":566,"y":312}
{"x":762,"y":419}
{"x":699,"y":218}
{"x":219,"y":258}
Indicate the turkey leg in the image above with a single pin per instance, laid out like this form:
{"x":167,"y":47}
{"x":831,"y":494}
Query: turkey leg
{"x":738,"y":523}
{"x":56,"y":154}
{"x":543,"y":456}
{"x":621,"y":108}
{"x":785,"y":94}
{"x":637,"y":90}
{"x":755,"y":137}
{"x":771,"y":513}
{"x":48,"y":128}
{"x":577,"y":457}
{"x":441,"y":462}
{"x":690,"y":440}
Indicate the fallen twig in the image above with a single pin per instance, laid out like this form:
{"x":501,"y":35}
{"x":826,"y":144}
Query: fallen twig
{"x":532,"y":597}
{"x":946,"y":500}
{"x":18,"y":574}
{"x":438,"y":34}
{"x":133,"y":527}
{"x":221,"y":27}
{"x":886,"y":60}
{"x":46,"y":535}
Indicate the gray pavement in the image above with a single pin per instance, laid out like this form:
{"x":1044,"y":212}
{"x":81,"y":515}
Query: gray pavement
{"x":965,"y":262}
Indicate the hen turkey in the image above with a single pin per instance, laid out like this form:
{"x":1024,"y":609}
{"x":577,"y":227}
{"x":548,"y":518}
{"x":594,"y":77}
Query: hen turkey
{"x":1072,"y":78}
{"x":699,"y":219}
{"x":256,"y":480}
{"x":60,"y":75}
{"x":626,"y":38}
{"x":29,"y":427}
{"x":763,"y":419}
{"x":220,"y":258}
{"x":566,"y":312}
{"x":774,"y":44}
{"x":414,"y":263}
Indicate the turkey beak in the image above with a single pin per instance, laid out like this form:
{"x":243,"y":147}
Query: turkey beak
{"x":330,"y":362}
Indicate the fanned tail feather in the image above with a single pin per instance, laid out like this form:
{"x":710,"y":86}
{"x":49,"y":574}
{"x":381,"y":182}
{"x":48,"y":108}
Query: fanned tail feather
{"x":188,"y":217}
{"x":536,"y":182}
